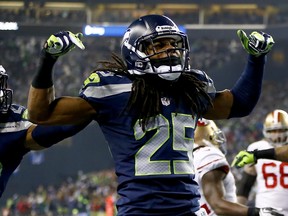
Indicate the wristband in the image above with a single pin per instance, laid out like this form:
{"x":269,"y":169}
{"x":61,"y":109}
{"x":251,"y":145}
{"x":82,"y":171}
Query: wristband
{"x":244,"y":186}
{"x":44,"y":76}
{"x":267,"y":153}
{"x":253,"y":211}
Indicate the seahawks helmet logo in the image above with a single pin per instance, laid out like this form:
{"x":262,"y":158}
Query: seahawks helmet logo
{"x":166,"y":28}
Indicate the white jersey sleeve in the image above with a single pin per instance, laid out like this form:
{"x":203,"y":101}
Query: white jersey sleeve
{"x":207,"y":159}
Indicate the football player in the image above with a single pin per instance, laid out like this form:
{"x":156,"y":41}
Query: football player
{"x":269,"y":174}
{"x":213,"y":174}
{"x":278,"y":153}
{"x":18,"y":136}
{"x":147,"y":103}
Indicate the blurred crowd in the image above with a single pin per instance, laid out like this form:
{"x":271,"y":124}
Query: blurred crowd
{"x":92,"y":194}
{"x":36,"y":12}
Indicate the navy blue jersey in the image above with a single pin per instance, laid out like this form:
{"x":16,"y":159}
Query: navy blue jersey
{"x":13,"y":130}
{"x":154,"y":167}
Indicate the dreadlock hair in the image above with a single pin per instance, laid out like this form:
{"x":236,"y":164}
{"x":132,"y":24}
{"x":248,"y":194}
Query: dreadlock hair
{"x":147,"y":89}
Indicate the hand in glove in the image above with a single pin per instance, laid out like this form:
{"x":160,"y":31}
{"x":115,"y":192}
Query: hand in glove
{"x":243,"y":158}
{"x":268,"y":211}
{"x":257,"y":43}
{"x":62,"y":42}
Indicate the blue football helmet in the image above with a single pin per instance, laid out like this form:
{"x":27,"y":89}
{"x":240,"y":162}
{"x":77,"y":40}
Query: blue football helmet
{"x":5,"y":92}
{"x":145,"y":31}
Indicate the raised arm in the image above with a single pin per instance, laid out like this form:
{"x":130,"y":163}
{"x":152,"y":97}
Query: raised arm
{"x":43,"y":108}
{"x":243,"y":97}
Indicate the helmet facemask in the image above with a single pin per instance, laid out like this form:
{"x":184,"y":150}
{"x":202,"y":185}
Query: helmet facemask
{"x":5,"y":92}
{"x":209,"y":134}
{"x":275,"y":128}
{"x":277,"y":137}
{"x":141,"y":48}
{"x":219,"y":140}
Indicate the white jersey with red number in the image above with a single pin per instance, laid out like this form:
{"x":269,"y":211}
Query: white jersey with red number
{"x":210,"y":158}
{"x":272,"y":180}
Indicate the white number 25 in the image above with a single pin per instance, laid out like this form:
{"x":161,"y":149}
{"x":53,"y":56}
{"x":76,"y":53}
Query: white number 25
{"x":145,"y":165}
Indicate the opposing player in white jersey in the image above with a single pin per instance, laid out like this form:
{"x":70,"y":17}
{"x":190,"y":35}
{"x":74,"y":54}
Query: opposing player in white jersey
{"x":217,"y":183}
{"x":271,"y":176}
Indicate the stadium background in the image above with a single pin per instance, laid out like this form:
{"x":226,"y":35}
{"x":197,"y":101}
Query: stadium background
{"x":215,"y":48}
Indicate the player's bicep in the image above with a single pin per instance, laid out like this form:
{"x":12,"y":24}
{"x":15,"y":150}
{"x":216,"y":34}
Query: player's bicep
{"x":212,"y":186}
{"x":222,"y":104}
{"x":68,"y":110}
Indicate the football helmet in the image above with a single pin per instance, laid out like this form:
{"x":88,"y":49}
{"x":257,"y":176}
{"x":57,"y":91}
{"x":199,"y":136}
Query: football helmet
{"x":209,"y":134}
{"x":143,"y":33}
{"x":5,"y":92}
{"x":275,"y":127}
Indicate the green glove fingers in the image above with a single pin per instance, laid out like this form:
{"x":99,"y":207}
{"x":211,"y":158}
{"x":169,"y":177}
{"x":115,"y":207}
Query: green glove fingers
{"x":243,"y":158}
{"x":77,"y":39}
{"x":257,"y":43}
{"x":244,"y":39}
{"x":53,"y":45}
{"x":62,"y":42}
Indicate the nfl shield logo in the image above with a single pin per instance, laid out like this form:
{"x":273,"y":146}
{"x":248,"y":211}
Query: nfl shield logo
{"x":165,"y":101}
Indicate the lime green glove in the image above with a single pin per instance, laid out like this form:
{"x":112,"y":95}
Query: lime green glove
{"x":62,"y":42}
{"x":243,"y":158}
{"x":257,"y":43}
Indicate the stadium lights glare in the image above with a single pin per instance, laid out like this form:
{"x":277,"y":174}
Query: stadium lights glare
{"x":8,"y":26}
{"x":110,"y":30}
{"x":11,"y":4}
{"x":61,"y":5}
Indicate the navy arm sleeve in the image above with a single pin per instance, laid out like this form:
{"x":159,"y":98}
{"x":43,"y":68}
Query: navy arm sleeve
{"x":246,"y":91}
{"x":47,"y":136}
